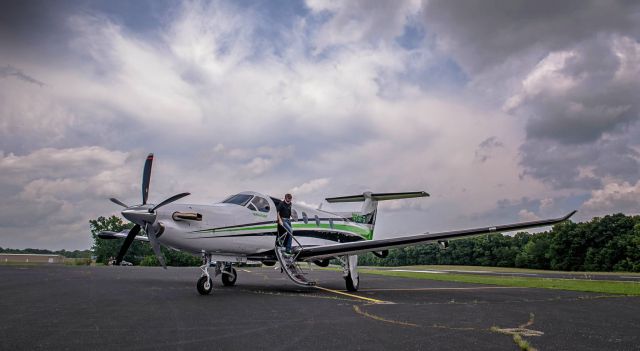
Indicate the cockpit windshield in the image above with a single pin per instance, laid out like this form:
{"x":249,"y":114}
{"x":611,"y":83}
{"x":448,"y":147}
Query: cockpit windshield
{"x":238,"y":199}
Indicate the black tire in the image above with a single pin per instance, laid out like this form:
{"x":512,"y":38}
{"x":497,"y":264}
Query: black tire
{"x":228,"y":280}
{"x":269,"y":263}
{"x":201,"y":288}
{"x":351,"y":285}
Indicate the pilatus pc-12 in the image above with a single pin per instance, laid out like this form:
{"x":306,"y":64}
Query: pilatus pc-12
{"x":244,"y":228}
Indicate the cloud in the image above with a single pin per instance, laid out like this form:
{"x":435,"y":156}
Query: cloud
{"x":614,"y":197}
{"x":492,"y":33}
{"x":335,"y":98}
{"x":485,"y":148}
{"x":525,"y":215}
{"x":310,"y":186}
{"x":577,"y":95}
{"x":362,"y":21}
{"x":51,"y":190}
{"x":9,"y":71}
{"x":567,"y":71}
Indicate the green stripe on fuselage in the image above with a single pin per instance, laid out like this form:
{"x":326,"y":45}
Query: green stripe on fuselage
{"x":363,"y":232}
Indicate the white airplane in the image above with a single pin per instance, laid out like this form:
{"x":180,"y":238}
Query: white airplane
{"x":244,"y":228}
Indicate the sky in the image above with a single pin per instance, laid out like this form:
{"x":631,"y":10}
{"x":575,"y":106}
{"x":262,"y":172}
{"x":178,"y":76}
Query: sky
{"x":503,"y":110}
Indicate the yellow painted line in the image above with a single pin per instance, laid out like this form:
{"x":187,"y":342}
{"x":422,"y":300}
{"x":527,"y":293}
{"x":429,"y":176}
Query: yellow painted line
{"x":354,"y":296}
{"x":429,"y":289}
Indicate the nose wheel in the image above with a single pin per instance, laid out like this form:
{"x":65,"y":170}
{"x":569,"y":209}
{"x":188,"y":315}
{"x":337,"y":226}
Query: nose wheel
{"x":205,"y":285}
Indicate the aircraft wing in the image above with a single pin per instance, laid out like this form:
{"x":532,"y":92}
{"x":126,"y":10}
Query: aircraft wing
{"x":319,"y":252}
{"x":117,"y":235}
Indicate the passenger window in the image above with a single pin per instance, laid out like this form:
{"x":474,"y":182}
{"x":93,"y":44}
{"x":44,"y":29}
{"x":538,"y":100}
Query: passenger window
{"x":261,"y":204}
{"x":305,"y":219}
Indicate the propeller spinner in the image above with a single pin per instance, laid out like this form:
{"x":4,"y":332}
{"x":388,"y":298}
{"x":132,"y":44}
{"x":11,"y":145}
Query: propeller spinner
{"x":144,"y":215}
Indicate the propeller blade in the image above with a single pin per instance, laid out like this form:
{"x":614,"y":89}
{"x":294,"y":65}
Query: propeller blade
{"x":170,"y":200}
{"x":127,"y":242}
{"x":118,"y":202}
{"x":156,"y":246}
{"x":146,"y":178}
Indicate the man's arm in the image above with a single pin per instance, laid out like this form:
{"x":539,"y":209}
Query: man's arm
{"x":278,"y":213}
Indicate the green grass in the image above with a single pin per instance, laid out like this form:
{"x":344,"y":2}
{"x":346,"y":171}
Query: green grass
{"x":599,"y":286}
{"x":499,"y":269}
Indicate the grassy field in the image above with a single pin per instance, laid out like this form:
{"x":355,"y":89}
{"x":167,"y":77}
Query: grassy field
{"x":499,"y":269}
{"x":599,"y":286}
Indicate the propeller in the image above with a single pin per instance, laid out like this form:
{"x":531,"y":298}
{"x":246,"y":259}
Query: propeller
{"x":170,"y":200}
{"x":118,"y":202}
{"x":156,"y":246}
{"x":127,"y":242}
{"x":144,"y":215}
{"x":146,"y":178}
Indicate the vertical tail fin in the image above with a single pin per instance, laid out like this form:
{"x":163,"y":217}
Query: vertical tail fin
{"x":367,"y":214}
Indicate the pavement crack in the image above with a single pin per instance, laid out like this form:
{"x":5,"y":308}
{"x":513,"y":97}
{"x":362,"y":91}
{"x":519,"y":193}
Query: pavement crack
{"x":519,"y":332}
{"x":359,"y":311}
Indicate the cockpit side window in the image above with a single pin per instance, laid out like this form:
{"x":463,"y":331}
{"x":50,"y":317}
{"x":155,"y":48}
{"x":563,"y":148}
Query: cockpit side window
{"x":238,"y":199}
{"x":261,"y":204}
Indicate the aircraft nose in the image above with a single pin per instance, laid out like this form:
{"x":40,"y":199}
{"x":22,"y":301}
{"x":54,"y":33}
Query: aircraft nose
{"x":139,"y":215}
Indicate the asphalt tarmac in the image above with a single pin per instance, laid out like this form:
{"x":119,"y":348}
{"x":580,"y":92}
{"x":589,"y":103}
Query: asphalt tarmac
{"x":137,"y":308}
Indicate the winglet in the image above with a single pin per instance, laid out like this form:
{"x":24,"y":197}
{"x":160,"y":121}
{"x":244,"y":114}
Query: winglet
{"x":569,"y":215}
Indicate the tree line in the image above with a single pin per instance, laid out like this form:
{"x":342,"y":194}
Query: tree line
{"x":140,"y":253}
{"x":610,"y":243}
{"x":65,"y":253}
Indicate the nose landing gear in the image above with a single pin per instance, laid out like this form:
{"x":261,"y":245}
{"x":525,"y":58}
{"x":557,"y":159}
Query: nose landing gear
{"x":205,"y":284}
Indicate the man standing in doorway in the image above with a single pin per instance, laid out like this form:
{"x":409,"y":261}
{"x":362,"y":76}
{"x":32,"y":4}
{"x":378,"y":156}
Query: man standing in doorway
{"x":284,"y":219}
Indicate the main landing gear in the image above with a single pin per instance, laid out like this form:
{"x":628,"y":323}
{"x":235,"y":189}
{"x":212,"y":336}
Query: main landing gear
{"x":350,"y":272}
{"x":205,"y":284}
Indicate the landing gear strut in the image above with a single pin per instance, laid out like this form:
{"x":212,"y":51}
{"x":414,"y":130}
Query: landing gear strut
{"x":205,"y":285}
{"x":229,"y":274}
{"x":350,"y":272}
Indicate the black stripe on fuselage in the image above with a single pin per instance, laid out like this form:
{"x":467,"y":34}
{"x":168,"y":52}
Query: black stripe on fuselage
{"x":337,"y":237}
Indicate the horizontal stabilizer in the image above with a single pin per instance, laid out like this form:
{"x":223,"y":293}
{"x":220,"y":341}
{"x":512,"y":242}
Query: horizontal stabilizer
{"x":377,"y":196}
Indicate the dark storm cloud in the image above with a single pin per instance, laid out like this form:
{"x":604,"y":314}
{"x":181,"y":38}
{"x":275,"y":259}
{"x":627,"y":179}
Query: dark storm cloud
{"x":33,"y":24}
{"x":485,"y":33}
{"x":580,"y":166}
{"x":568,"y":68}
{"x":41,"y":26}
{"x":596,"y":103}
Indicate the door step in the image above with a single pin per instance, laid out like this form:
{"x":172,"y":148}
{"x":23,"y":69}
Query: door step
{"x":292,"y":270}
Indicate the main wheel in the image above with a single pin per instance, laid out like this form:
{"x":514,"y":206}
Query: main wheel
{"x":230,"y":280}
{"x":351,"y":285}
{"x":205,"y":285}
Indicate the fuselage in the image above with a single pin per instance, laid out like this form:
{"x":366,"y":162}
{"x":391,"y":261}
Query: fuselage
{"x":246,"y":226}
